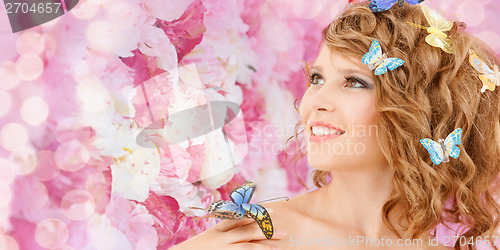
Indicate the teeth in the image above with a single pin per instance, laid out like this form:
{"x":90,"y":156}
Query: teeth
{"x":319,"y":131}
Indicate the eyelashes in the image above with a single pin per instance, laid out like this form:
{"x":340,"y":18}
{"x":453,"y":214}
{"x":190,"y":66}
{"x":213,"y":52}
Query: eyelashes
{"x":307,"y":72}
{"x":314,"y":78}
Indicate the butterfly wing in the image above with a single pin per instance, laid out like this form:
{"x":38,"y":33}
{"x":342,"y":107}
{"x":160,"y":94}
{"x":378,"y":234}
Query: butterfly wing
{"x":226,"y":210}
{"x":434,"y":149}
{"x":441,"y":42}
{"x":488,"y":82}
{"x":478,"y":64}
{"x":435,"y":20}
{"x":243,"y":194}
{"x":381,"y":5}
{"x":453,"y":139}
{"x":389,"y":63}
{"x":374,"y":53}
{"x":382,"y":68}
{"x":488,"y":77}
{"x":413,"y":2}
{"x":261,"y":216}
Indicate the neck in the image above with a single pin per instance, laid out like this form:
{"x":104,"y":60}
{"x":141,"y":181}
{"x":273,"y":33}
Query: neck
{"x":356,"y":199}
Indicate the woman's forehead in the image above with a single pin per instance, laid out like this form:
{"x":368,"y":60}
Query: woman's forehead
{"x":329,"y":59}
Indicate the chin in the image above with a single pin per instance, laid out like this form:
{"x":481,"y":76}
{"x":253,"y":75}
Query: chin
{"x":332,"y":163}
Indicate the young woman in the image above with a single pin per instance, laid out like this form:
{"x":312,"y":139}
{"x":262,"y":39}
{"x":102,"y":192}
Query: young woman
{"x":378,"y":185}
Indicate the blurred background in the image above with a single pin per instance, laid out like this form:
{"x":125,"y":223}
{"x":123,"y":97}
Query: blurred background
{"x":109,"y":128}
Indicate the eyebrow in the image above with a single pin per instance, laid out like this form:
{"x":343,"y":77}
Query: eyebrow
{"x":347,"y":71}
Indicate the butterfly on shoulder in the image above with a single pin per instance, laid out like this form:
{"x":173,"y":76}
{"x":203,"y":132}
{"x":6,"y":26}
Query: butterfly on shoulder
{"x":490,"y":78}
{"x":378,"y":61}
{"x":383,"y":5}
{"x":239,"y":206}
{"x":443,"y":149}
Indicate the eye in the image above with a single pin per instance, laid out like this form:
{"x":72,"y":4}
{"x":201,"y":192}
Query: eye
{"x":355,"y":83}
{"x":316,"y":79}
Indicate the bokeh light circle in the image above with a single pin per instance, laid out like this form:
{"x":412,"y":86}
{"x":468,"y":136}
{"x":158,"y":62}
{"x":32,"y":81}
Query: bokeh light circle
{"x":34,"y":110}
{"x":50,"y":45}
{"x":71,"y":156}
{"x":471,"y":13}
{"x":29,"y":67}
{"x":7,"y":242}
{"x":7,"y":174}
{"x":306,"y":9}
{"x":13,"y":136}
{"x":5,"y":102}
{"x":98,"y":2}
{"x":6,"y":195}
{"x":71,"y":128}
{"x":123,"y":14}
{"x":38,"y":197}
{"x":51,"y":233}
{"x":337,"y":9}
{"x":103,"y":35}
{"x":490,"y":38}
{"x":46,"y":168}
{"x":8,"y":75}
{"x":30,"y":42}
{"x":23,"y":161}
{"x":85,"y":10}
{"x":66,"y":247}
{"x":81,"y":71}
{"x":78,"y":205}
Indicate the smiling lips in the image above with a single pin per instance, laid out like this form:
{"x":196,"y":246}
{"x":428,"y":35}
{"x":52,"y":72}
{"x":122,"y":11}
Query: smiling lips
{"x":321,"y":131}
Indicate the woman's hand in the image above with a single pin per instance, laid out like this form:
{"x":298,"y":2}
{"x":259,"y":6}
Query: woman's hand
{"x":232,"y":234}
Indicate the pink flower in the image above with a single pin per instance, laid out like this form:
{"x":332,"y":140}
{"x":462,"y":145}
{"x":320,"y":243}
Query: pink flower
{"x":236,"y":181}
{"x":166,"y":10}
{"x":155,"y":44}
{"x":172,"y":226}
{"x":187,"y":31}
{"x":197,"y":155}
{"x":176,"y":162}
{"x":152,"y":100}
{"x":139,"y":63}
{"x":134,"y":220}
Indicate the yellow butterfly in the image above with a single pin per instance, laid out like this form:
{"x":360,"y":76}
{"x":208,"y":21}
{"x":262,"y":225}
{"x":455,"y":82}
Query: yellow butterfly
{"x":439,"y":25}
{"x":489,"y":77}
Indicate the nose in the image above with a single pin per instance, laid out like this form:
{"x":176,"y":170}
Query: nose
{"x":323,"y":100}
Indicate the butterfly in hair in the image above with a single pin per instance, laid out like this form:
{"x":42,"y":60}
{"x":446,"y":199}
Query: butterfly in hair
{"x":489,"y":77}
{"x":239,"y":207}
{"x":443,"y":149}
{"x":379,"y":61}
{"x":383,"y":5}
{"x":438,"y":25}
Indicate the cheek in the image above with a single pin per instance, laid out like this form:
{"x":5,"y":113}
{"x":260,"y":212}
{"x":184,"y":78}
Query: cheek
{"x":364,"y":123}
{"x":365,"y":113}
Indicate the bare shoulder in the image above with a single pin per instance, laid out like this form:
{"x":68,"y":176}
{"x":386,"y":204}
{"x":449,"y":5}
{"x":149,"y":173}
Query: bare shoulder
{"x":293,"y":216}
{"x":292,"y":207}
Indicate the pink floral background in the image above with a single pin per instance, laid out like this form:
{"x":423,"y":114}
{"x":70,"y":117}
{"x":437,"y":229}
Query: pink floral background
{"x":76,"y":92}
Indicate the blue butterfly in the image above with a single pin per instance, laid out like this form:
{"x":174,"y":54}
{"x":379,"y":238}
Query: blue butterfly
{"x":378,"y":61}
{"x":440,"y":151}
{"x":239,"y":207}
{"x":383,"y":5}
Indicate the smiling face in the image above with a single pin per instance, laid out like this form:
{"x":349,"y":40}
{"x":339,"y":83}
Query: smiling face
{"x":339,"y":114}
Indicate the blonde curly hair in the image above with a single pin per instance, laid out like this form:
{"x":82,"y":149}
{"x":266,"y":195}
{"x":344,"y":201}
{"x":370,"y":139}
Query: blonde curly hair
{"x":432,"y":94}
